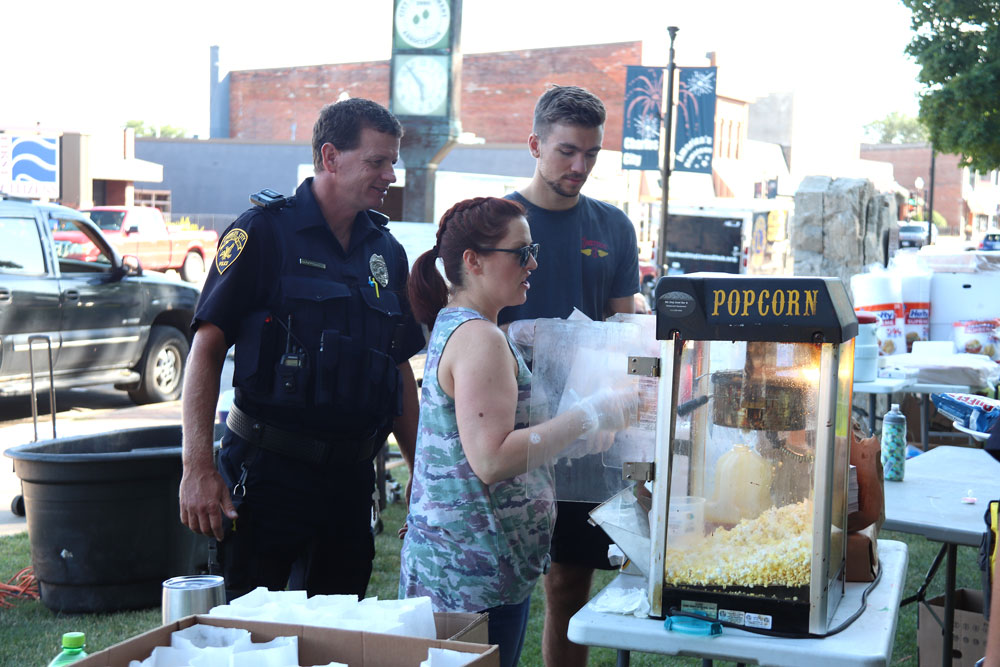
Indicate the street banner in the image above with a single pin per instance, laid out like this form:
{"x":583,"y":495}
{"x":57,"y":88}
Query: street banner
{"x":695,"y":119}
{"x":641,"y":133}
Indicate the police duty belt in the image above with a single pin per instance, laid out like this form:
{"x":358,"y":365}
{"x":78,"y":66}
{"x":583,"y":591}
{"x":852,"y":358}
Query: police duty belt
{"x":303,"y":446}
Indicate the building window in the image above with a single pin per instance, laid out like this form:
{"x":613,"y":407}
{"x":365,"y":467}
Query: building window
{"x":156,"y":198}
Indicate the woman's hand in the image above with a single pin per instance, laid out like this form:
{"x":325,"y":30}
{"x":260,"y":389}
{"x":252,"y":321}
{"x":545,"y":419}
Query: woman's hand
{"x":611,"y":409}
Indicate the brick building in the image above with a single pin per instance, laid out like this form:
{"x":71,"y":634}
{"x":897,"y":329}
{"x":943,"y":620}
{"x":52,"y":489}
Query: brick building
{"x":912,"y":160}
{"x":499,"y":91}
{"x":269,"y":114}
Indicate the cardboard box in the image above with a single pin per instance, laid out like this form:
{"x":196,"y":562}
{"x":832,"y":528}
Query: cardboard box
{"x":319,"y":646}
{"x":969,"y":638}
{"x":862,"y":554}
{"x":462,"y":627}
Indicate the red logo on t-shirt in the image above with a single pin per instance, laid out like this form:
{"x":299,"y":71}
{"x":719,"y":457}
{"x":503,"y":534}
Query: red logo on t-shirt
{"x":592,"y":248}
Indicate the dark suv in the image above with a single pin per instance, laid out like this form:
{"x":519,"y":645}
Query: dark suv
{"x":104,"y":321}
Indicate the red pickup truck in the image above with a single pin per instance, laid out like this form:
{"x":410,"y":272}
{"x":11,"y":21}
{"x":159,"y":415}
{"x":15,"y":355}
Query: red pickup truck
{"x":141,"y":231}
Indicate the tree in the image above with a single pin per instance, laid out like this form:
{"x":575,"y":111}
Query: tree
{"x":956,"y":44}
{"x":165,"y":131}
{"x":896,"y":128}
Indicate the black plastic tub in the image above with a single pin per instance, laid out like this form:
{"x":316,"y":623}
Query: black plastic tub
{"x":103,"y":518}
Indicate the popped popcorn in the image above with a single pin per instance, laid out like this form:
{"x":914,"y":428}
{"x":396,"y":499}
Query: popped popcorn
{"x":774,"y":549}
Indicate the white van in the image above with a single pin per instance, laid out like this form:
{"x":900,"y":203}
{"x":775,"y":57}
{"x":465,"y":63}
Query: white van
{"x":730,"y":237}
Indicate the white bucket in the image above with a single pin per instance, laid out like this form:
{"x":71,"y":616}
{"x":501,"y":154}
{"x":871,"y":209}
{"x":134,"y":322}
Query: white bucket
{"x":865,"y":363}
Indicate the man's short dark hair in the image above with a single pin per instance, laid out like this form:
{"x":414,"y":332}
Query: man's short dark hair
{"x":571,"y":105}
{"x":341,"y":123}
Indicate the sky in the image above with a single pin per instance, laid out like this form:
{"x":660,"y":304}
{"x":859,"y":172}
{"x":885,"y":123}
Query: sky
{"x":93,"y":65}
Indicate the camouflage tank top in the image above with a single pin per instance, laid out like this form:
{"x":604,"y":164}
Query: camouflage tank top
{"x":470,"y":546}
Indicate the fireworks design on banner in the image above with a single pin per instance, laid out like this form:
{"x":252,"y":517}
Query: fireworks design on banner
{"x":641,"y":131}
{"x":643,"y":101}
{"x":702,"y":83}
{"x":695,"y":119}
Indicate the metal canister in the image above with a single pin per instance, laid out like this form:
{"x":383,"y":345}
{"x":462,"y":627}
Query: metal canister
{"x":893,"y":444}
{"x":193,"y":594}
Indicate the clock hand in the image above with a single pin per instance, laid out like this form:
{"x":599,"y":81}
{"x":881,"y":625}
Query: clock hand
{"x":417,"y":79}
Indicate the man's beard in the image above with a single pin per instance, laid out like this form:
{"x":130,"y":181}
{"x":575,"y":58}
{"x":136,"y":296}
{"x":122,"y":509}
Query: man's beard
{"x":559,"y":189}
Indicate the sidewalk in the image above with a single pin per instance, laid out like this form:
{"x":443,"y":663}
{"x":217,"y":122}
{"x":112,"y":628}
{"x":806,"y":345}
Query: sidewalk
{"x":70,"y":423}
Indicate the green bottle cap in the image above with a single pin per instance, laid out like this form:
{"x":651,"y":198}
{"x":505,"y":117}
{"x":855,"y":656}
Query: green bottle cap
{"x":73,"y":640}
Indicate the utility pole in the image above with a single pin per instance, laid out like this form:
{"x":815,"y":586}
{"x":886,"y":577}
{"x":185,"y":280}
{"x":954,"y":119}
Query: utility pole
{"x":930,"y":199}
{"x":668,"y":117}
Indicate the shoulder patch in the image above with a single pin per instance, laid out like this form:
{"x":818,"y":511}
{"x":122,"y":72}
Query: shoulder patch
{"x":230,"y":248}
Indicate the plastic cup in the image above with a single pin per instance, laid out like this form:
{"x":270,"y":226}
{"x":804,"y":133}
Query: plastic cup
{"x":686,"y":520}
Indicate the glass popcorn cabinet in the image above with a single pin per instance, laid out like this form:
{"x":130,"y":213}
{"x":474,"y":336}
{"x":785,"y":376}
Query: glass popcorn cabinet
{"x":749,"y":482}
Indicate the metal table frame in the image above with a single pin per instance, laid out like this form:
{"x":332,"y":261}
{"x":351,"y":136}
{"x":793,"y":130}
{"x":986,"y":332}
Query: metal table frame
{"x":867,"y":641}
{"x":889,"y":386}
{"x":928,"y":502}
{"x":879,"y":386}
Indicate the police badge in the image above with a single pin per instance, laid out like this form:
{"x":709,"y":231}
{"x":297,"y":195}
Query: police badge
{"x":380,"y":272}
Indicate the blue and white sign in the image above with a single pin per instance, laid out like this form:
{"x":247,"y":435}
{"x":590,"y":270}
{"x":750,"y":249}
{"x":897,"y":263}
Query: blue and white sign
{"x":29,"y":165}
{"x":695,"y":119}
{"x":641,"y":133}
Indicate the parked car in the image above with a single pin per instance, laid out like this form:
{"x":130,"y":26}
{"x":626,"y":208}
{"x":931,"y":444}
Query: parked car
{"x":914,"y":234}
{"x":102,"y":318}
{"x":141,"y":231}
{"x":990,"y":241}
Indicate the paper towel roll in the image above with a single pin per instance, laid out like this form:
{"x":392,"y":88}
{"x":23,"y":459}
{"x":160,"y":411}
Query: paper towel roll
{"x":915,"y":288}
{"x":876,"y":288}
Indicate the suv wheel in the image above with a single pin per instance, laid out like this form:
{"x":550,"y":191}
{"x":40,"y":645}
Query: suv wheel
{"x":17,"y":506}
{"x":193,"y":269}
{"x":162,"y":367}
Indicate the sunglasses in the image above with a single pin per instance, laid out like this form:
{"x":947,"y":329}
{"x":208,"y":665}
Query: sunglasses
{"x":525,"y":253}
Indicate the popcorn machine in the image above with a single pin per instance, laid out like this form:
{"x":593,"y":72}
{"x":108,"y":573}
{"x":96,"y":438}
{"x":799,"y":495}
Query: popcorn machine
{"x":749,"y":469}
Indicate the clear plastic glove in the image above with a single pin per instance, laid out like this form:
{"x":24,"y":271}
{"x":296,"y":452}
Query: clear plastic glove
{"x":522,"y":334}
{"x":595,"y":442}
{"x":610,"y":409}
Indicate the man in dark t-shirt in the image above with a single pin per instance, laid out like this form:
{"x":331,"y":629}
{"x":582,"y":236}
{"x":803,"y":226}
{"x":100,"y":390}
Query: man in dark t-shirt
{"x":588,"y":260}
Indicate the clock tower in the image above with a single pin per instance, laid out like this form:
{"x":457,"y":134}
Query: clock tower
{"x":424,"y":93}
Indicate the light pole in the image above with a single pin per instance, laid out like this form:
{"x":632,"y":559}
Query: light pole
{"x":918,"y":183}
{"x":661,"y":243}
{"x":930,"y":207}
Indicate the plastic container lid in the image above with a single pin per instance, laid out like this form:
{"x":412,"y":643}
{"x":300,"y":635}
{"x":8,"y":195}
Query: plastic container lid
{"x":73,"y":640}
{"x":703,"y":627}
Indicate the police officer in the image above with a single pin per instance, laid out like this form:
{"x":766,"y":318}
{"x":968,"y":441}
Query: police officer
{"x":312,"y":291}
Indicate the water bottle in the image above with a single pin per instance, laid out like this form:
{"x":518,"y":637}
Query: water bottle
{"x":72,"y":649}
{"x":893,"y":444}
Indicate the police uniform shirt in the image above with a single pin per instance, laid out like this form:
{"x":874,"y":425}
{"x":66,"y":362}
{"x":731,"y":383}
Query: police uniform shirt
{"x":247,"y":276}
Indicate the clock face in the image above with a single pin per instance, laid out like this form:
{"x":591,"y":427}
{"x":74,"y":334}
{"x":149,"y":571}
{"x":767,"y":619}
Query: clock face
{"x":421,"y":24}
{"x":420,"y":85}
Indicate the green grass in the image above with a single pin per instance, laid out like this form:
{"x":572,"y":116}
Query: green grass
{"x":29,"y":632}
